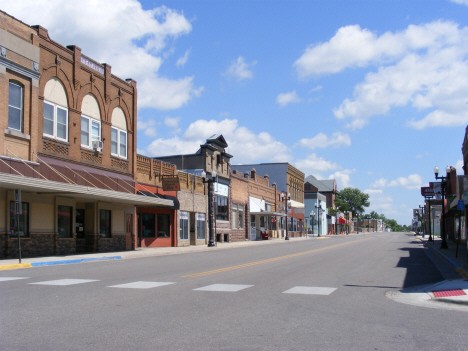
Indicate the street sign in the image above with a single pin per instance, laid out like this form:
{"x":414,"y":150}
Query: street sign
{"x":18,"y":206}
{"x":461,"y":205}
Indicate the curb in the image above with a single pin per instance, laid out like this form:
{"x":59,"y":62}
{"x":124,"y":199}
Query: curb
{"x":54,"y":263}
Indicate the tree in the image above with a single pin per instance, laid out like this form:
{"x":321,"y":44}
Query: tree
{"x":352,"y":199}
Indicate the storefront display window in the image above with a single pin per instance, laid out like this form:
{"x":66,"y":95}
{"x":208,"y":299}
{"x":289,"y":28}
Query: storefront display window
{"x":64,"y":221}
{"x":23,"y":220}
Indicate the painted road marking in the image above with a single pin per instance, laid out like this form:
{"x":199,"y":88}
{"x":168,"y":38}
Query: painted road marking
{"x":65,"y":282}
{"x":224,"y":287}
{"x":140,"y":285}
{"x":310,"y":290}
{"x":5,"y":279}
{"x":266,"y":261}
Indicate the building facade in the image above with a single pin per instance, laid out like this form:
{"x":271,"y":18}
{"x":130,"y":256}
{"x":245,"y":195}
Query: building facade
{"x":68,"y":146}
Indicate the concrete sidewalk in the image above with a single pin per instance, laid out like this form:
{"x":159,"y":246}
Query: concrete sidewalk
{"x":139,"y":252}
{"x":449,"y":294}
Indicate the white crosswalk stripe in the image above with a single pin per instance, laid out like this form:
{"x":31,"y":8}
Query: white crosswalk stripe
{"x":224,"y":287}
{"x":65,"y":282}
{"x":5,"y":279}
{"x":310,"y":290}
{"x":140,"y":285}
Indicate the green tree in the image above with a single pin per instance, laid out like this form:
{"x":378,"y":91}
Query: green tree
{"x":352,"y":199}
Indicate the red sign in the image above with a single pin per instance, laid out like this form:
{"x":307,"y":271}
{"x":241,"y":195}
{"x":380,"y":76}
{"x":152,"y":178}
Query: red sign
{"x":427,"y":191}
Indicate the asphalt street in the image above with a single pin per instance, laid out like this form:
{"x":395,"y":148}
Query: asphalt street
{"x":327,"y":294}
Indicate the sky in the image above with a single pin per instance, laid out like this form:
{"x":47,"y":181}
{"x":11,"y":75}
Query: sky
{"x":372,"y":93}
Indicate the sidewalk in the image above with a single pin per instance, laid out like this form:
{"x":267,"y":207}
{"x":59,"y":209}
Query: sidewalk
{"x":449,"y":294}
{"x":139,"y":252}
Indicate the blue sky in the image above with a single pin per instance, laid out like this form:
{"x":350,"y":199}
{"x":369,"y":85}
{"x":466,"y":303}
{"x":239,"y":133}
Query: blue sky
{"x":372,"y":93}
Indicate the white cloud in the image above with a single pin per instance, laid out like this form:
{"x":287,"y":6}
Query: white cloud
{"x":240,"y":69}
{"x":148,"y":127}
{"x":379,"y":184}
{"x":317,"y":88}
{"x":241,"y":142}
{"x":459,"y":165}
{"x":172,"y":122}
{"x":381,"y":203}
{"x":287,"y":98}
{"x":322,"y":141}
{"x":124,"y":35}
{"x":183,"y":60}
{"x":313,"y":164}
{"x":413,"y":181}
{"x":343,"y":179}
{"x":462,"y":2}
{"x":424,"y":66}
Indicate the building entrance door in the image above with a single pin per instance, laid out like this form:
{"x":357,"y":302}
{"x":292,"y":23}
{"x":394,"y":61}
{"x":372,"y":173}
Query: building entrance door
{"x":128,"y":232}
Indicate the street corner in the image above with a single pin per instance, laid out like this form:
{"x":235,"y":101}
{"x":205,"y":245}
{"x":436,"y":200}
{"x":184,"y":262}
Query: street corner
{"x":448,"y":294}
{"x":15,"y":266}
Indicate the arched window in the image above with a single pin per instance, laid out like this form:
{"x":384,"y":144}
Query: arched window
{"x":55,"y":110}
{"x":119,"y":133}
{"x":90,"y":122}
{"x":15,"y":106}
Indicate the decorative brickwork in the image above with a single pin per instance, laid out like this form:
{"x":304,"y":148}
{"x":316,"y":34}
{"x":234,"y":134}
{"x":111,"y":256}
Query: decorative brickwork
{"x":54,"y":147}
{"x":89,"y":156}
{"x":120,"y":164}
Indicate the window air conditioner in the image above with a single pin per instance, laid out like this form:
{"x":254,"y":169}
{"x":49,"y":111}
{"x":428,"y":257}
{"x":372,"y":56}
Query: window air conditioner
{"x":97,"y":145}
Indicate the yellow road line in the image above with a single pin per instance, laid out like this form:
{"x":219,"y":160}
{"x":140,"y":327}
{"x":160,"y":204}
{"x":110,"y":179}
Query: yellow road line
{"x":264,"y":261}
{"x":13,"y":266}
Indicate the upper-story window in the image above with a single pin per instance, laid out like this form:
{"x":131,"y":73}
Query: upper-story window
{"x":90,"y":121}
{"x":15,"y":106}
{"x":55,"y":110}
{"x":119,"y":133}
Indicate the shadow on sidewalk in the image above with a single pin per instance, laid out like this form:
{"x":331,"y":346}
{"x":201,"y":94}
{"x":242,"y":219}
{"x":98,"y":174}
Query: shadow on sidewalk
{"x":419,"y":268}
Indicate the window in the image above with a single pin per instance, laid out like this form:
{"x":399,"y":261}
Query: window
{"x":184,"y":219}
{"x":55,"y":121}
{"x":221,"y":206}
{"x":118,"y":142}
{"x":148,"y":225}
{"x":79,"y":223}
{"x":15,"y":106}
{"x":234,"y":216}
{"x":241,"y":217}
{"x":90,"y":131}
{"x":164,"y":226}
{"x":201,"y":226}
{"x":23,"y":219}
{"x":65,"y":221}
{"x":105,"y":223}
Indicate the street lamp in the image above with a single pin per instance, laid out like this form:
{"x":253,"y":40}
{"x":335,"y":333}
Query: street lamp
{"x":336,"y":220}
{"x":421,"y":208}
{"x":347,"y":222}
{"x":319,"y":214}
{"x":357,"y":223}
{"x":312,"y":216}
{"x":210,"y":181}
{"x":285,"y":199}
{"x":443,"y":245}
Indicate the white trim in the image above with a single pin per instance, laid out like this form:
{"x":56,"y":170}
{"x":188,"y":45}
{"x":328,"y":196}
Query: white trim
{"x":54,"y":121}
{"x":21,"y":108}
{"x":90,"y":131}
{"x":118,"y":143}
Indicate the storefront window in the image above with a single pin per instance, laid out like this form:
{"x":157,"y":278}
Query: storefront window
{"x":184,"y":219}
{"x":201,"y":226}
{"x":164,"y":226}
{"x":234,"y":216}
{"x":23,"y":219}
{"x":241,"y":216}
{"x":105,"y":223}
{"x":148,"y":225}
{"x":221,"y":206}
{"x":79,"y":223}
{"x":64,"y":221}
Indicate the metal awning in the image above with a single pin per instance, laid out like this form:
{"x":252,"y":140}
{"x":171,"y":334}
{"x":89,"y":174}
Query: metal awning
{"x":269,"y":213}
{"x":43,"y":186}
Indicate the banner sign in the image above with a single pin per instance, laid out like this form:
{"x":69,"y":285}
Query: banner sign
{"x":171,"y":184}
{"x":437,"y":190}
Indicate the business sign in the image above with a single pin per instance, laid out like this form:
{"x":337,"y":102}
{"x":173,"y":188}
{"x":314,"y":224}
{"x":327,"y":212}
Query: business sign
{"x":299,"y":210}
{"x":437,"y":186}
{"x":92,"y":65}
{"x":289,"y":207}
{"x":221,"y":189}
{"x":415,"y":213}
{"x":460,"y":205}
{"x":427,"y":191}
{"x":171,"y":184}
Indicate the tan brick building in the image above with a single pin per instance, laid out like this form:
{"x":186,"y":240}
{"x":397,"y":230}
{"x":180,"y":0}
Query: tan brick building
{"x":68,"y":142}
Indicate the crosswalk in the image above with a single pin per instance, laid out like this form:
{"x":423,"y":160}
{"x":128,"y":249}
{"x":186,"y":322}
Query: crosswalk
{"x":303,"y":290}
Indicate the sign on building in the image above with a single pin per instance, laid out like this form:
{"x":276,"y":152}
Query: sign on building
{"x":171,"y":183}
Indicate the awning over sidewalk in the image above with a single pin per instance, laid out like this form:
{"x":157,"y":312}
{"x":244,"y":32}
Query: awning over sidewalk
{"x":13,"y":181}
{"x":341,"y":220}
{"x":265,"y":213}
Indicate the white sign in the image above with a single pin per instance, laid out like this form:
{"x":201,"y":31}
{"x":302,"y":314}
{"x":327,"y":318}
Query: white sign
{"x":183,"y":215}
{"x":221,"y":190}
{"x":201,"y":217}
{"x":92,"y":65}
{"x":256,"y":205}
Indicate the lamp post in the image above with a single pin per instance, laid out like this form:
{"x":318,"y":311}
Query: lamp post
{"x":430,"y":231}
{"x":421,"y":208}
{"x":210,"y":181}
{"x":443,"y":245}
{"x":336,"y":222}
{"x":312,"y":215}
{"x":357,"y":223}
{"x":319,"y":214}
{"x":286,"y":206}
{"x":347,"y":222}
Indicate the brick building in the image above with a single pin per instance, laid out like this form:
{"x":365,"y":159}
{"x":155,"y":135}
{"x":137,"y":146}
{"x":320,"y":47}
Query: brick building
{"x":69,"y":145}
{"x":212,"y":159}
{"x":289,"y":180}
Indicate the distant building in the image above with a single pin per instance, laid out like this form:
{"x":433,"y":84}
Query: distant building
{"x":325,"y":187}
